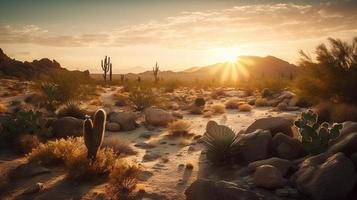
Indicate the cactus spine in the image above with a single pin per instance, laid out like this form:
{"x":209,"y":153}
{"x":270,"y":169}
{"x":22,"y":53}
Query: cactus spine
{"x":106,"y":67}
{"x":155,"y":71}
{"x":93,"y":133}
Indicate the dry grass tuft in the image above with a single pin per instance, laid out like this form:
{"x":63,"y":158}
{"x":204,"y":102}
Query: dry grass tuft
{"x":119,"y":145}
{"x":232,"y":103}
{"x":261,"y":102}
{"x":218,"y":108}
{"x":207,"y":114}
{"x":179,"y":127}
{"x":245,"y":107}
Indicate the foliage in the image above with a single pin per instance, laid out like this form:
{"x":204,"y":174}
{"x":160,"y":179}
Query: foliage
{"x":28,"y":142}
{"x":331,"y":74}
{"x":142,"y":98}
{"x":315,"y":137}
{"x":93,"y":133}
{"x":25,"y":122}
{"x":221,"y":143}
{"x":72,"y":109}
{"x":50,"y":92}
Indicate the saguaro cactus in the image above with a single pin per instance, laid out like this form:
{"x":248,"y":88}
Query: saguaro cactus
{"x":93,"y":133}
{"x":107,"y":67}
{"x":155,"y":71}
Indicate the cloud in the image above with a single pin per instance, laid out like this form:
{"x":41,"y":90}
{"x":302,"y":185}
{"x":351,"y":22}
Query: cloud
{"x":211,"y":28}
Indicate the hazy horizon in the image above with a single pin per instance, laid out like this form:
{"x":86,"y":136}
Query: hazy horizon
{"x":178,"y":35}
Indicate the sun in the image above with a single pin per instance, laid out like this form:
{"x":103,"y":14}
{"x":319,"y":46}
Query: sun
{"x":226,"y":54}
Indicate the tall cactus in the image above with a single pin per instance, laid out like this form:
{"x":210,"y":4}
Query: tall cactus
{"x":155,"y":71}
{"x":122,"y":78}
{"x":106,"y":67}
{"x":93,"y":133}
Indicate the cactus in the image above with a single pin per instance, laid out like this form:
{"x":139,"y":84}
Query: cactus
{"x":122,"y":78}
{"x":155,"y":71}
{"x":315,"y":137}
{"x":107,"y":67}
{"x":139,"y":79}
{"x":93,"y":133}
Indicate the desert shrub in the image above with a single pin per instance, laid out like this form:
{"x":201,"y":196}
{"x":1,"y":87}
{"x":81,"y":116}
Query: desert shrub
{"x":179,"y":127}
{"x":245,"y":107}
{"x":119,"y":145}
{"x":170,"y":86}
{"x":232,"y":103}
{"x":121,"y":99}
{"x":207,"y":114}
{"x":221,"y":143}
{"x":331,"y":74}
{"x":49,"y":92}
{"x":217,"y":93}
{"x":71,"y":109}
{"x":200,"y":101}
{"x":218,"y":108}
{"x":315,"y":137}
{"x":142,"y":98}
{"x":25,"y":122}
{"x":123,"y":181}
{"x":261,"y":102}
{"x":27,"y":142}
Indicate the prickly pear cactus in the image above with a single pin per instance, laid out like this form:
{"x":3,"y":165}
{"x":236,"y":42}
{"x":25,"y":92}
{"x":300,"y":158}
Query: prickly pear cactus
{"x":315,"y":137}
{"x":93,"y":133}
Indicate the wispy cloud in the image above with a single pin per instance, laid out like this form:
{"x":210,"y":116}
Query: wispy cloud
{"x":211,"y":28}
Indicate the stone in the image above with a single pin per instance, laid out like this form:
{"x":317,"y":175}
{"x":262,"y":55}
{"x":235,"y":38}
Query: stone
{"x":196,"y":110}
{"x":112,"y":126}
{"x":273,"y":124}
{"x":348,"y":127}
{"x":346,"y":143}
{"x":145,"y":175}
{"x":287,"y":147}
{"x":325,"y":176}
{"x":268,"y":176}
{"x":158,"y":117}
{"x":34,"y":189}
{"x":255,"y":146}
{"x":126,"y":120}
{"x":150,"y":157}
{"x":67,"y":126}
{"x":266,"y":93}
{"x":204,"y":189}
{"x":28,"y":170}
{"x":281,"y":164}
{"x":177,"y":114}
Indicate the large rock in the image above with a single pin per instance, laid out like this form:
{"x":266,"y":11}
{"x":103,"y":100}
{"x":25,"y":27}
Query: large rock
{"x":326,"y":176}
{"x":67,"y":126}
{"x":287,"y":147}
{"x":126,"y":120}
{"x":348,"y":127}
{"x":255,"y":146}
{"x":346,"y":143}
{"x":158,"y":117}
{"x":281,"y":164}
{"x":112,"y":126}
{"x":273,"y":124}
{"x":268,"y":176}
{"x":203,"y":189}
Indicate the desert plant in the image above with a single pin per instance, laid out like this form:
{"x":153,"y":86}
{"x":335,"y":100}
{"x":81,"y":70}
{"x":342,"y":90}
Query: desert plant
{"x":179,"y":127}
{"x":72,"y":109}
{"x":93,"y":133}
{"x":315,"y":137}
{"x":218,"y":108}
{"x":245,"y":107}
{"x":155,"y":71}
{"x":119,"y":146}
{"x":106,"y":67}
{"x":141,"y":98}
{"x":49,"y":91}
{"x":27,"y":142}
{"x":261,"y":102}
{"x":221,"y":143}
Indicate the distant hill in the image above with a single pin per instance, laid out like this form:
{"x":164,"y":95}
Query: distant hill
{"x":246,"y":67}
{"x":43,"y":68}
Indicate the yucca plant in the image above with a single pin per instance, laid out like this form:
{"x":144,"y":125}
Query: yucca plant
{"x":72,"y":109}
{"x":221,"y":143}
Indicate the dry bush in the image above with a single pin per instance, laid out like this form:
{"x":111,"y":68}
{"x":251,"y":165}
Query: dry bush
{"x":218,"y":108}
{"x":123,"y":181}
{"x":232,"y":103}
{"x":261,"y":102}
{"x":71,"y":109}
{"x":179,"y":127}
{"x":142,"y":98}
{"x":207,"y":114}
{"x":245,"y":107}
{"x":2,"y":108}
{"x":119,"y":145}
{"x":28,"y":142}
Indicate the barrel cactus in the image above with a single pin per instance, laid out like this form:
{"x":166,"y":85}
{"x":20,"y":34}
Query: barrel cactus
{"x":93,"y":133}
{"x":315,"y":137}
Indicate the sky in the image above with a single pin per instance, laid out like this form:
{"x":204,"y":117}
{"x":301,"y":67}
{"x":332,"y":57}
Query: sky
{"x":176,"y":34}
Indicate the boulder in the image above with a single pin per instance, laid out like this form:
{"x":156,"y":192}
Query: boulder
{"x":273,"y":124}
{"x":346,"y":143}
{"x":203,"y":189}
{"x":268,"y":176}
{"x":281,"y":164}
{"x":112,"y":126}
{"x":348,"y":127}
{"x":67,"y":126}
{"x":325,"y":176}
{"x":287,"y":147}
{"x":126,"y":120}
{"x":158,"y":117}
{"x":266,"y":93}
{"x":255,"y":146}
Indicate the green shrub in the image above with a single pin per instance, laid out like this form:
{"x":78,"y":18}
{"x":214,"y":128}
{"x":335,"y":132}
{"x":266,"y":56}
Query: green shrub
{"x":221,"y":143}
{"x":315,"y":137}
{"x":142,"y":98}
